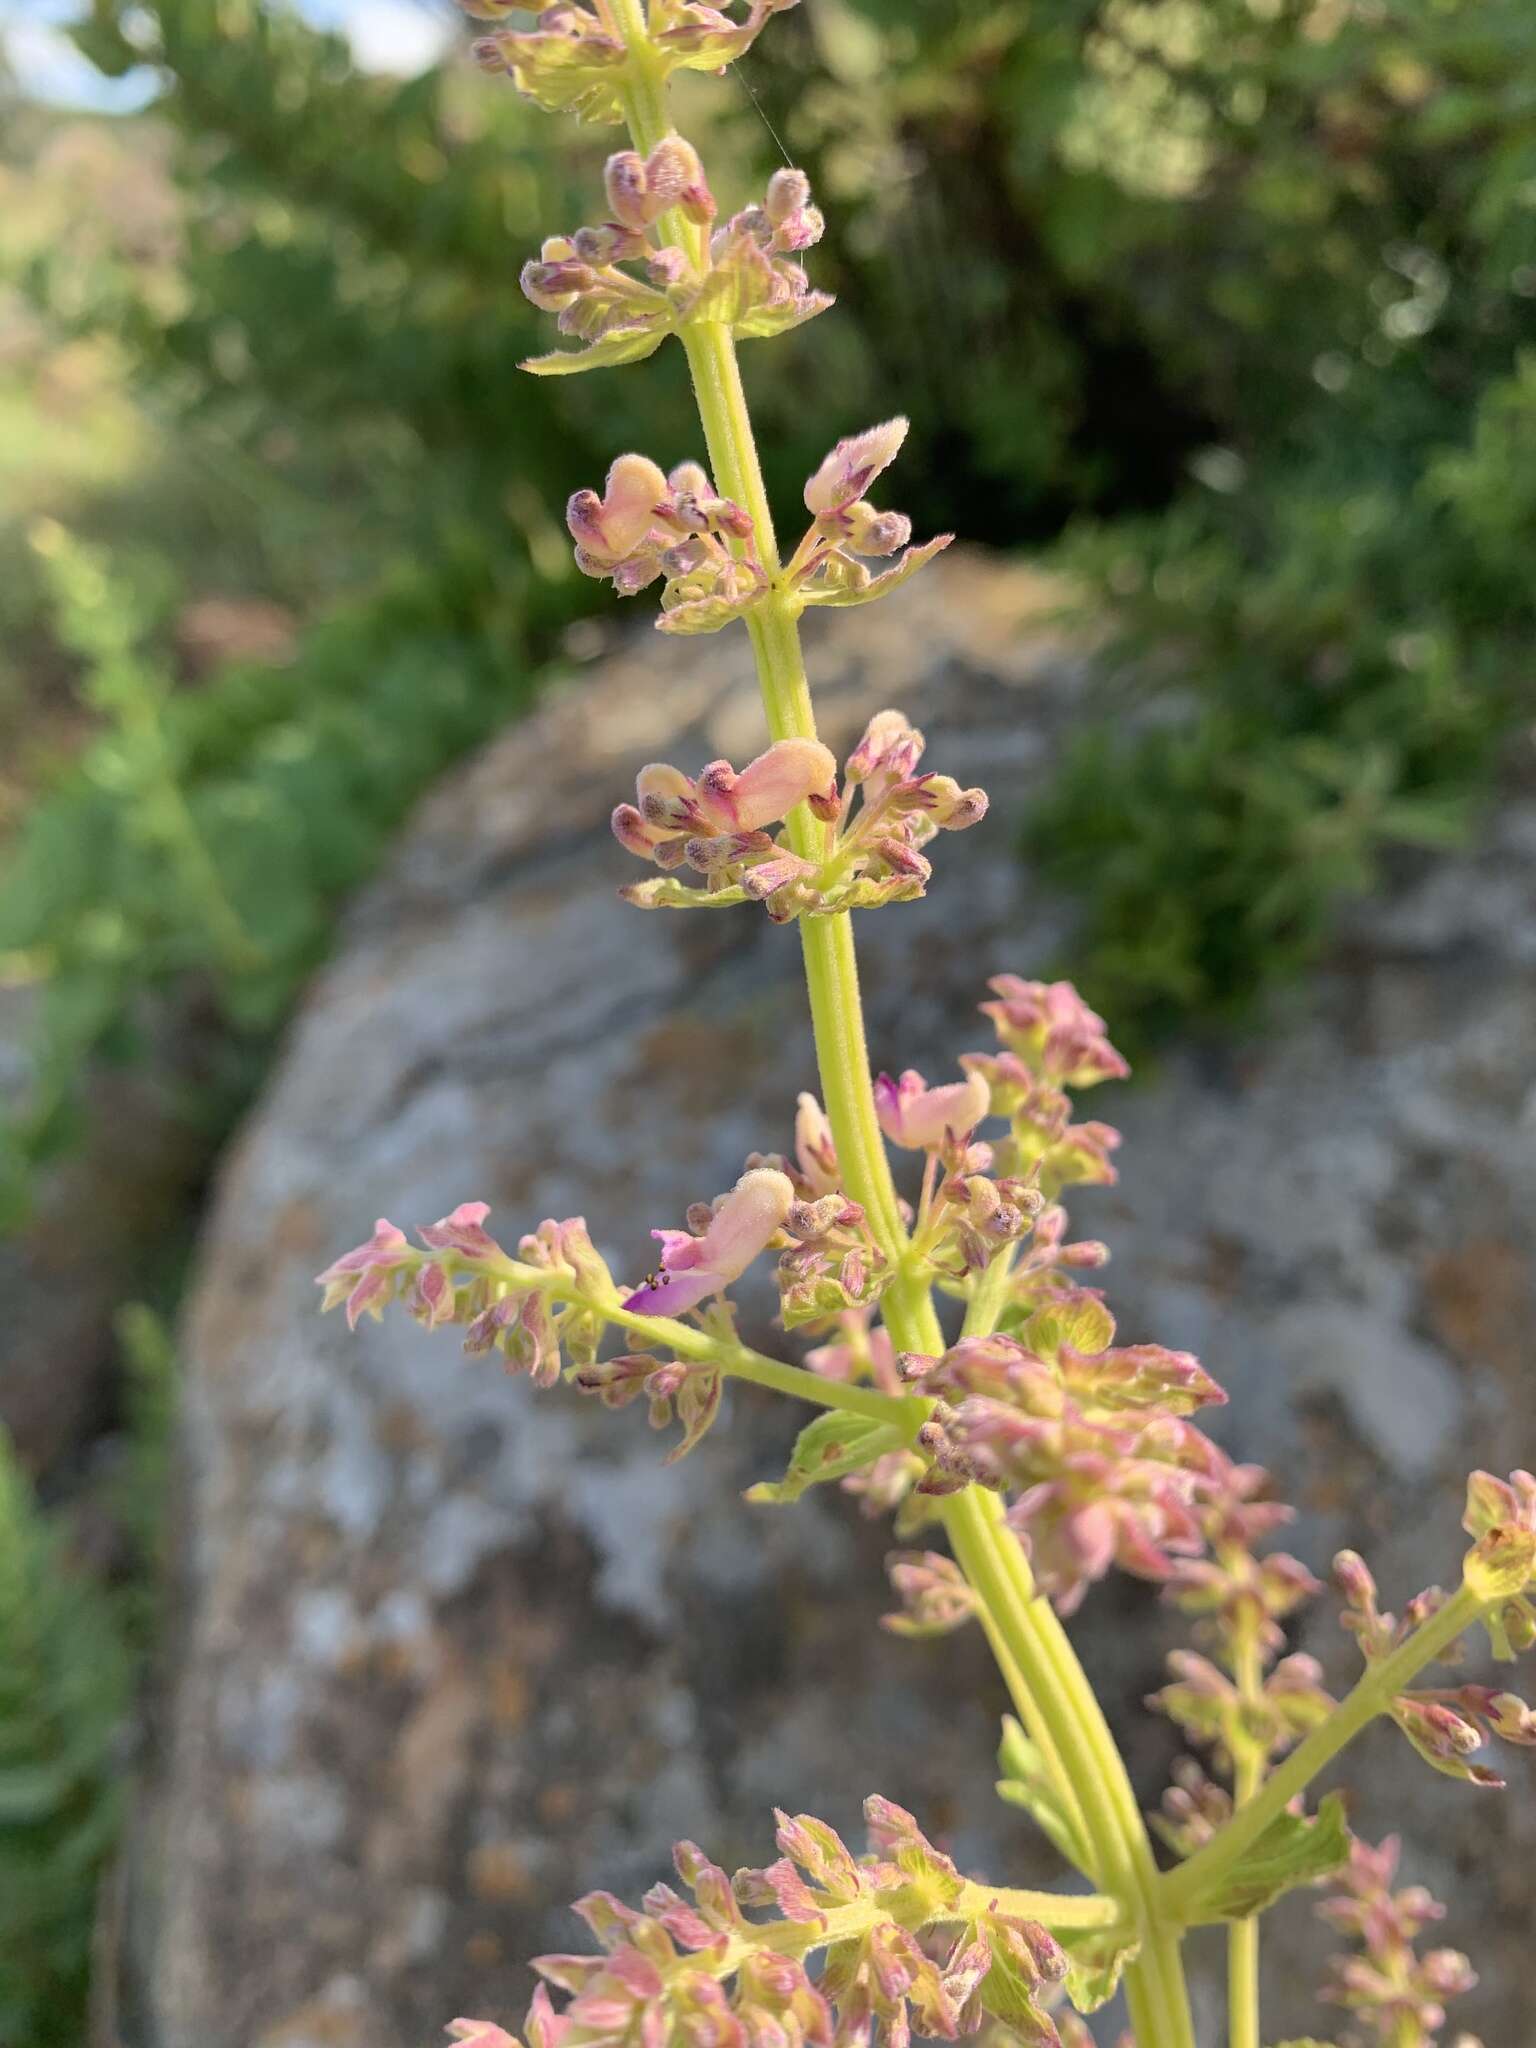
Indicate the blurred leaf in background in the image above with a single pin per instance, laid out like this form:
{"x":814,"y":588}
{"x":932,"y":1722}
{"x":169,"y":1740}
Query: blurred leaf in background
{"x":66,"y":1686}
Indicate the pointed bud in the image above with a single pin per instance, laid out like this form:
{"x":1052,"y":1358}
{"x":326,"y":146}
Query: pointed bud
{"x":853,"y":466}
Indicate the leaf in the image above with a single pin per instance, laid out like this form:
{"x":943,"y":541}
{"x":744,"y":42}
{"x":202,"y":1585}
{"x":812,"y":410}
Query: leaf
{"x":831,"y":1447}
{"x":766,"y":321}
{"x":707,"y":614}
{"x":1096,"y":1960}
{"x":1084,"y":1324}
{"x":878,"y":586}
{"x":1291,"y":1851}
{"x":1026,"y":1782}
{"x":1011,"y":1995}
{"x":666,"y":892}
{"x":624,"y":345}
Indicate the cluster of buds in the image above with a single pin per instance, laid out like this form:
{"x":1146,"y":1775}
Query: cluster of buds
{"x":1213,"y":1709}
{"x":965,"y":1216}
{"x":832,"y":1271}
{"x":574,"y":60}
{"x":648,"y":525}
{"x":1447,"y":1726}
{"x":689,"y":1965}
{"x":1395,"y":1994}
{"x":716,"y":824}
{"x":1194,"y":1808}
{"x":1050,"y":1042}
{"x":1239,"y":1701}
{"x":690,"y":1390}
{"x":744,"y":276}
{"x":832,"y":1267}
{"x":1234,"y":1591}
{"x":537,"y":1310}
{"x":1094,"y":1436}
{"x":933,"y":1591}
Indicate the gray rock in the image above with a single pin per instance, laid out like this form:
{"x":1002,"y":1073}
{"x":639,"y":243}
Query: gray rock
{"x":453,"y":1651}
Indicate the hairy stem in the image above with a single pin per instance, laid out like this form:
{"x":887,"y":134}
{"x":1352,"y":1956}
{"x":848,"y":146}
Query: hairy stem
{"x":1180,"y":1888}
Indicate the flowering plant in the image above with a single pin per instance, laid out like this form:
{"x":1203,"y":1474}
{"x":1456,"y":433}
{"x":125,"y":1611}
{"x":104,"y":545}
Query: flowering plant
{"x":968,"y":1381}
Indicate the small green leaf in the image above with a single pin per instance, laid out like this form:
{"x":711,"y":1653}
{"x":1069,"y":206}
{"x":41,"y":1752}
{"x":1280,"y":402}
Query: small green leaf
{"x":766,"y":321}
{"x":1291,"y":1851}
{"x":628,"y":345}
{"x":831,"y":1447}
{"x":1096,"y":1960}
{"x":1084,"y":1325}
{"x":707,"y":614}
{"x":877,"y":586}
{"x":1027,"y":1782}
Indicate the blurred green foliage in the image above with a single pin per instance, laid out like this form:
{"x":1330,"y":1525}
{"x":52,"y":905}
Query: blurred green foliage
{"x":1311,"y":675}
{"x":74,"y":1638}
{"x":66,"y":1680}
{"x":196,"y":845}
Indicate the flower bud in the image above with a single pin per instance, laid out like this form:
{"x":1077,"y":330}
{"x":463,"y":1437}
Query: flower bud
{"x":556,"y":278}
{"x":869,"y":532}
{"x":607,"y":243}
{"x":788,"y":191}
{"x":624,"y":182}
{"x":675,"y":177}
{"x":852,"y":466}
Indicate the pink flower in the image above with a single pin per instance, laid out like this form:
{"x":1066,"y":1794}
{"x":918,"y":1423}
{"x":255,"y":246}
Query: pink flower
{"x":481,"y":2034}
{"x":1053,"y":1030}
{"x":463,"y":1231}
{"x":608,"y":529}
{"x":921,"y":1118}
{"x":717,"y":821}
{"x":365,"y":1279}
{"x":741,"y":1227}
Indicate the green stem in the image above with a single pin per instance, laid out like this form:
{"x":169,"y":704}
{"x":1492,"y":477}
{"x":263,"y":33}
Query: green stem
{"x":1243,"y":1984}
{"x":1180,"y":1888}
{"x":1053,"y":1695}
{"x":801,"y":1385}
{"x":1249,"y":1760}
{"x":1111,"y":1819}
{"x":968,"y":1526}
